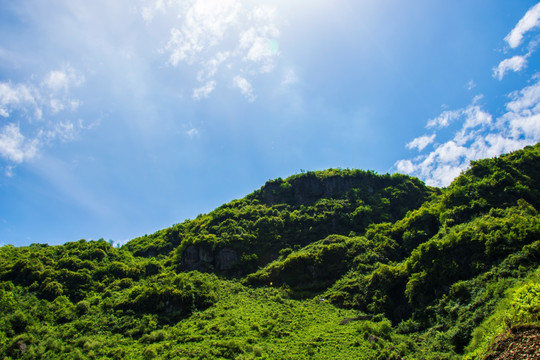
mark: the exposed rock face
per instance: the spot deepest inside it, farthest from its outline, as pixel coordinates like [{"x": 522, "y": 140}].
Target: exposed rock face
[
  {"x": 197, "y": 258},
  {"x": 225, "y": 259},
  {"x": 202, "y": 258},
  {"x": 308, "y": 189}
]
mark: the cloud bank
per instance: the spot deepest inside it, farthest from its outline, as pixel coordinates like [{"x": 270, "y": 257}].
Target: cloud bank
[
  {"x": 479, "y": 136},
  {"x": 482, "y": 134}
]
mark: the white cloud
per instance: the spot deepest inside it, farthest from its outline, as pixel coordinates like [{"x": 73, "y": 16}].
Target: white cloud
[
  {"x": 421, "y": 142},
  {"x": 61, "y": 130},
  {"x": 526, "y": 100},
  {"x": 212, "y": 66},
  {"x": 260, "y": 49},
  {"x": 14, "y": 146},
  {"x": 203, "y": 27},
  {"x": 57, "y": 80},
  {"x": 472, "y": 114},
  {"x": 204, "y": 91},
  {"x": 148, "y": 12},
  {"x": 52, "y": 94},
  {"x": 33, "y": 110},
  {"x": 405, "y": 166},
  {"x": 259, "y": 41},
  {"x": 529, "y": 125},
  {"x": 444, "y": 119},
  {"x": 56, "y": 105},
  {"x": 475, "y": 116},
  {"x": 206, "y": 34},
  {"x": 450, "y": 152},
  {"x": 523, "y": 116},
  {"x": 62, "y": 80},
  {"x": 439, "y": 167},
  {"x": 479, "y": 137},
  {"x": 528, "y": 22},
  {"x": 245, "y": 87},
  {"x": 444, "y": 174},
  {"x": 515, "y": 64},
  {"x": 14, "y": 97}
]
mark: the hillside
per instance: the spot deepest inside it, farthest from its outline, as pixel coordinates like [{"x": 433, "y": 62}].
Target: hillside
[{"x": 327, "y": 264}]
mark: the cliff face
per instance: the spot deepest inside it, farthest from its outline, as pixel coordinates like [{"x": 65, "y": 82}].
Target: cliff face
[
  {"x": 203, "y": 258},
  {"x": 306, "y": 189}
]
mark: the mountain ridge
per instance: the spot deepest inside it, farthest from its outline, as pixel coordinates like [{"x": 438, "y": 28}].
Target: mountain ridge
[{"x": 398, "y": 269}]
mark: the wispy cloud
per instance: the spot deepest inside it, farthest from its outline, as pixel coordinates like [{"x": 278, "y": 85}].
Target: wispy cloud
[
  {"x": 529, "y": 21},
  {"x": 523, "y": 112},
  {"x": 204, "y": 91},
  {"x": 515, "y": 64},
  {"x": 444, "y": 119},
  {"x": 62, "y": 80},
  {"x": 149, "y": 11},
  {"x": 524, "y": 99},
  {"x": 51, "y": 94},
  {"x": 211, "y": 67},
  {"x": 32, "y": 114},
  {"x": 421, "y": 142},
  {"x": 13, "y": 97},
  {"x": 245, "y": 87},
  {"x": 210, "y": 33},
  {"x": 472, "y": 113},
  {"x": 203, "y": 26},
  {"x": 259, "y": 41},
  {"x": 14, "y": 146}
]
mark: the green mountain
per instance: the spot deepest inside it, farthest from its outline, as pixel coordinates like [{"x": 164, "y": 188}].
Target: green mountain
[{"x": 335, "y": 264}]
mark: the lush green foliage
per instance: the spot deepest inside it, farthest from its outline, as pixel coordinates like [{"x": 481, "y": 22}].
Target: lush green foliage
[
  {"x": 327, "y": 264},
  {"x": 521, "y": 305},
  {"x": 283, "y": 214}
]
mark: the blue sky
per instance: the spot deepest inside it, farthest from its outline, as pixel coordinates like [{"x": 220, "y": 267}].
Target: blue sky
[{"x": 119, "y": 118}]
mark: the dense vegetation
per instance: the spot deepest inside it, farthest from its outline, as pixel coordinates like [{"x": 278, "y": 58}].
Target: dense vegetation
[{"x": 329, "y": 264}]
